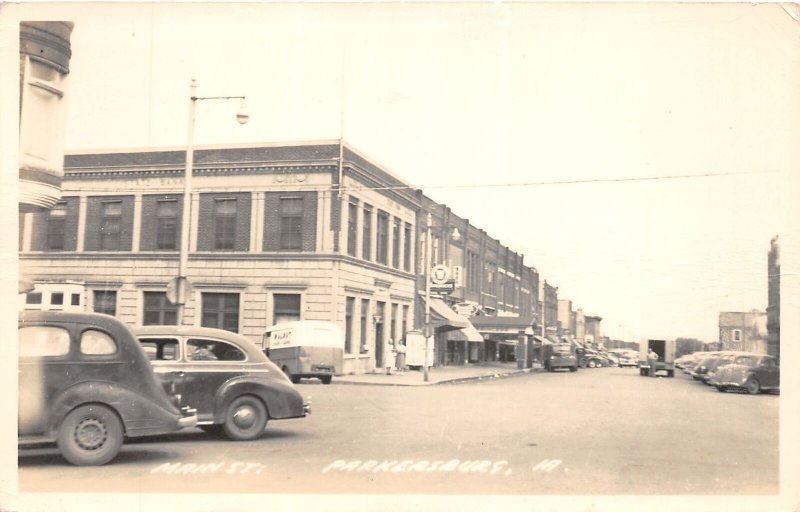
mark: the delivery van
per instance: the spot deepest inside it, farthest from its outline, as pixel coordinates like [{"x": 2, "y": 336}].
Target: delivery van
[
  {"x": 415, "y": 350},
  {"x": 305, "y": 349},
  {"x": 665, "y": 349}
]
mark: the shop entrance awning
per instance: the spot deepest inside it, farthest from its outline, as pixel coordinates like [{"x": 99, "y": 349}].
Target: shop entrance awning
[
  {"x": 445, "y": 319},
  {"x": 443, "y": 316},
  {"x": 469, "y": 333}
]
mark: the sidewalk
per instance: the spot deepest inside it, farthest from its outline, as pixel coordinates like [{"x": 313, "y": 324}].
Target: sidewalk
[{"x": 437, "y": 375}]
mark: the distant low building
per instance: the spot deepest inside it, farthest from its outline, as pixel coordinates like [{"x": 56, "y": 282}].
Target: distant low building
[
  {"x": 745, "y": 331},
  {"x": 593, "y": 332}
]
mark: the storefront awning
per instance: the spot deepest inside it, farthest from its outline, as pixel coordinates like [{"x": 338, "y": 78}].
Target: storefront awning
[
  {"x": 442, "y": 315},
  {"x": 543, "y": 341},
  {"x": 468, "y": 333}
]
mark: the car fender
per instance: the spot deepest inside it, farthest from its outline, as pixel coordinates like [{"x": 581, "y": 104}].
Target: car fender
[
  {"x": 138, "y": 414},
  {"x": 281, "y": 398}
]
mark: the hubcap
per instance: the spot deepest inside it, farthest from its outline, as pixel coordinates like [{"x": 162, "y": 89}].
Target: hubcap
[
  {"x": 244, "y": 417},
  {"x": 90, "y": 434}
]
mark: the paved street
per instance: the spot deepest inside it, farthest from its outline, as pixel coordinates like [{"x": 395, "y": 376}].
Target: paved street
[{"x": 599, "y": 431}]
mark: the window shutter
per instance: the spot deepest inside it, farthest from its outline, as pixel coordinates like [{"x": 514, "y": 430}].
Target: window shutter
[
  {"x": 310, "y": 221},
  {"x": 272, "y": 221},
  {"x": 205, "y": 223},
  {"x": 71, "y": 224},
  {"x": 92, "y": 236},
  {"x": 243, "y": 207},
  {"x": 126, "y": 227}
]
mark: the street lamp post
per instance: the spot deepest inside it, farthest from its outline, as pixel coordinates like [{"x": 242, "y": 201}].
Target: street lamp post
[
  {"x": 182, "y": 283},
  {"x": 428, "y": 330}
]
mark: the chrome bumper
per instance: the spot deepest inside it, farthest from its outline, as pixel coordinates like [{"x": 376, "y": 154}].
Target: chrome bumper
[{"x": 189, "y": 418}]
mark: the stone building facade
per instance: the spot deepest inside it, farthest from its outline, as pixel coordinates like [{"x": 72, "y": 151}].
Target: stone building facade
[{"x": 745, "y": 331}]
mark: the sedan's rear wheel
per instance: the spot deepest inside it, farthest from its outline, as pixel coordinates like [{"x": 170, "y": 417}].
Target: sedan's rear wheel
[
  {"x": 592, "y": 363},
  {"x": 90, "y": 435},
  {"x": 246, "y": 419},
  {"x": 752, "y": 386},
  {"x": 721, "y": 389}
]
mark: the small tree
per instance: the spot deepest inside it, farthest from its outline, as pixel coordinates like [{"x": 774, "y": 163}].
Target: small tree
[{"x": 685, "y": 346}]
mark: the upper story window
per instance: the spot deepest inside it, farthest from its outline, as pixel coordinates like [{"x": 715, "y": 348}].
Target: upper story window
[
  {"x": 407, "y": 247},
  {"x": 382, "y": 243},
  {"x": 110, "y": 225},
  {"x": 396, "y": 243},
  {"x": 291, "y": 213},
  {"x": 352, "y": 227},
  {"x": 167, "y": 224},
  {"x": 56, "y": 227},
  {"x": 366, "y": 234},
  {"x": 224, "y": 223}
]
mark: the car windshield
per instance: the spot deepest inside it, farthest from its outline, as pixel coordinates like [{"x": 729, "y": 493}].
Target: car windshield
[{"x": 562, "y": 349}]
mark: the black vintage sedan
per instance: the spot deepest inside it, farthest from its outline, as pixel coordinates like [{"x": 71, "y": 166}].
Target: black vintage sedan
[
  {"x": 85, "y": 383},
  {"x": 232, "y": 384},
  {"x": 751, "y": 372}
]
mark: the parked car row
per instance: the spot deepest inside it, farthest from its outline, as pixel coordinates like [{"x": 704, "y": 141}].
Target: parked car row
[
  {"x": 733, "y": 370},
  {"x": 87, "y": 382}
]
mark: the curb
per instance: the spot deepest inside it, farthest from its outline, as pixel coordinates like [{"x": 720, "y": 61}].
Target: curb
[{"x": 458, "y": 380}]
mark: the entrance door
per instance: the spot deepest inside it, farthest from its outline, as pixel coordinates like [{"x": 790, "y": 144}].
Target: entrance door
[{"x": 378, "y": 344}]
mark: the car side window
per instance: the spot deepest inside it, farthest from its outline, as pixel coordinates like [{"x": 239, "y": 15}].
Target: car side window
[
  {"x": 161, "y": 349},
  {"x": 213, "y": 350},
  {"x": 41, "y": 341},
  {"x": 97, "y": 343}
]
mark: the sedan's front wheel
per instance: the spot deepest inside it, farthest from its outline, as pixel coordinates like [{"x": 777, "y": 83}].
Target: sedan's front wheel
[
  {"x": 752, "y": 386},
  {"x": 90, "y": 435},
  {"x": 246, "y": 419}
]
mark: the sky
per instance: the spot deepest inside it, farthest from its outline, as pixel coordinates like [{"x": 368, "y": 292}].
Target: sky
[{"x": 484, "y": 106}]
